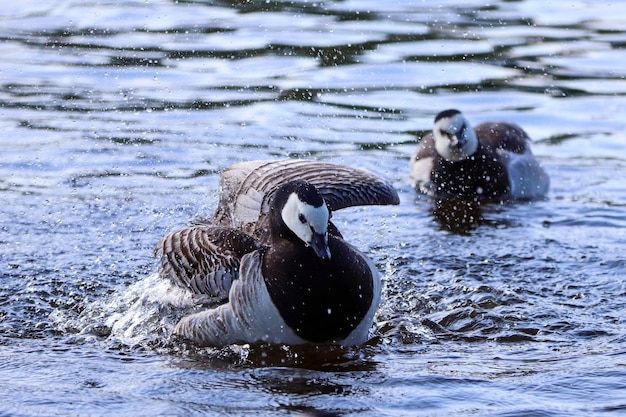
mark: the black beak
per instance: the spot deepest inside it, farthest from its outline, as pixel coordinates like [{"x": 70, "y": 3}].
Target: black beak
[
  {"x": 460, "y": 141},
  {"x": 319, "y": 243},
  {"x": 460, "y": 137}
]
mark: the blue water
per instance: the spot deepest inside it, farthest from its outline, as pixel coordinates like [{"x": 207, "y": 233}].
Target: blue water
[{"x": 116, "y": 118}]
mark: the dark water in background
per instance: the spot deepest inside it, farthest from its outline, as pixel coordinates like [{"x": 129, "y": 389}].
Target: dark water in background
[{"x": 116, "y": 117}]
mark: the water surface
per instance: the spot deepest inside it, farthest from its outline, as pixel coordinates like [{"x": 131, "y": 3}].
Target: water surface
[{"x": 117, "y": 117}]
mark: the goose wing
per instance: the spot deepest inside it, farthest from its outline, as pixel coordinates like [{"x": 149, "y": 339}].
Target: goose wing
[
  {"x": 245, "y": 188},
  {"x": 422, "y": 164},
  {"x": 248, "y": 316},
  {"x": 505, "y": 136},
  {"x": 203, "y": 259}
]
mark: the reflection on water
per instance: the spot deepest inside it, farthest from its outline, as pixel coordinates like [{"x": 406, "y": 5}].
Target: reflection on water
[
  {"x": 117, "y": 117},
  {"x": 458, "y": 215}
]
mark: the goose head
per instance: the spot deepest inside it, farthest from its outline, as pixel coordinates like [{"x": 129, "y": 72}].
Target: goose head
[
  {"x": 300, "y": 210},
  {"x": 454, "y": 138}
]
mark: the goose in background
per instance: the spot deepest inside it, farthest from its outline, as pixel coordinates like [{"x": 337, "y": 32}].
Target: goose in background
[{"x": 490, "y": 162}]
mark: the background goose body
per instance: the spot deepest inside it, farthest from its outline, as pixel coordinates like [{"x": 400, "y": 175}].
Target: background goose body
[
  {"x": 490, "y": 162},
  {"x": 266, "y": 267}
]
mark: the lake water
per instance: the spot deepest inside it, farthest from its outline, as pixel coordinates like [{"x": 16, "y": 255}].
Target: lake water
[{"x": 117, "y": 116}]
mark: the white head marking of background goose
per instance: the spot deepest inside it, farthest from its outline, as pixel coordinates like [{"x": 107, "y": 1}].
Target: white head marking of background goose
[{"x": 455, "y": 139}]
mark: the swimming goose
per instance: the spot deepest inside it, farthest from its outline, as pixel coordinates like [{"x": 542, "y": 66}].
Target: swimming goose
[
  {"x": 490, "y": 162},
  {"x": 269, "y": 265}
]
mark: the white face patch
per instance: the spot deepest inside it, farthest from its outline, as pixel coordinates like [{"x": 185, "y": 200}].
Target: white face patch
[
  {"x": 303, "y": 219},
  {"x": 455, "y": 139}
]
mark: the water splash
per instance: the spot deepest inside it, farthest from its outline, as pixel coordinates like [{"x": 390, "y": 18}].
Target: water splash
[{"x": 140, "y": 315}]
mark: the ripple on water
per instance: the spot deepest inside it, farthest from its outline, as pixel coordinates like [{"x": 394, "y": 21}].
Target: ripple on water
[{"x": 118, "y": 117}]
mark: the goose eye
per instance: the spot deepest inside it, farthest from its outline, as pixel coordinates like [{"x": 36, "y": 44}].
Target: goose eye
[{"x": 301, "y": 218}]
